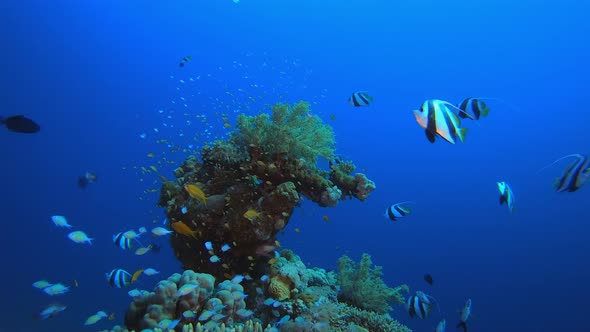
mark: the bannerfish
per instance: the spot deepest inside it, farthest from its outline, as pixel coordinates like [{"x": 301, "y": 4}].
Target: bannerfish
[
  {"x": 420, "y": 305},
  {"x": 428, "y": 279},
  {"x": 506, "y": 195},
  {"x": 575, "y": 175},
  {"x": 20, "y": 124},
  {"x": 118, "y": 278},
  {"x": 437, "y": 118},
  {"x": 441, "y": 327},
  {"x": 86, "y": 179},
  {"x": 473, "y": 108},
  {"x": 360, "y": 99},
  {"x": 397, "y": 210},
  {"x": 122, "y": 242},
  {"x": 465, "y": 315},
  {"x": 80, "y": 237},
  {"x": 184, "y": 61}
]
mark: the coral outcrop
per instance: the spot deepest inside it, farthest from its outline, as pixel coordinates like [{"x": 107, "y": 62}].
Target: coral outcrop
[{"x": 248, "y": 187}]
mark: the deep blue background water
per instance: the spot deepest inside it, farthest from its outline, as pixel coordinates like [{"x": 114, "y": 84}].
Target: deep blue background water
[{"x": 95, "y": 74}]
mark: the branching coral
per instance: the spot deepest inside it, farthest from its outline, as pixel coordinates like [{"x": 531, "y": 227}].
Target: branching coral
[
  {"x": 290, "y": 130},
  {"x": 362, "y": 286}
]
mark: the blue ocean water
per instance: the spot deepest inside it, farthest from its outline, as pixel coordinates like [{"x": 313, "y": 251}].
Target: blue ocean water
[{"x": 96, "y": 75}]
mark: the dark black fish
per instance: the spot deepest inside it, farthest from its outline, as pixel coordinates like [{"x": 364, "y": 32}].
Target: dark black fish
[
  {"x": 428, "y": 279},
  {"x": 86, "y": 179},
  {"x": 155, "y": 248},
  {"x": 20, "y": 124}
]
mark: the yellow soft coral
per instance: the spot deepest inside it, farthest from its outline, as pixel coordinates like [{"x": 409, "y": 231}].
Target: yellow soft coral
[{"x": 279, "y": 288}]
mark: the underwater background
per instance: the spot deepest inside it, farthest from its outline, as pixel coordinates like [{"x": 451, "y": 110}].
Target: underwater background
[{"x": 96, "y": 74}]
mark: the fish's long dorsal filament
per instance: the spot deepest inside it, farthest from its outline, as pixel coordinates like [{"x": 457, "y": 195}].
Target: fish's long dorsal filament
[{"x": 577, "y": 155}]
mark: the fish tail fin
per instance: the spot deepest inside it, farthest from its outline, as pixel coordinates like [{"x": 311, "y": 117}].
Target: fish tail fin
[
  {"x": 461, "y": 133},
  {"x": 89, "y": 240},
  {"x": 195, "y": 234},
  {"x": 577, "y": 155},
  {"x": 462, "y": 325},
  {"x": 485, "y": 112}
]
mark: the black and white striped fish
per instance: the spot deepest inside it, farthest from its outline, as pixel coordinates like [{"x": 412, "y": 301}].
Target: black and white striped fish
[
  {"x": 420, "y": 305},
  {"x": 118, "y": 278},
  {"x": 575, "y": 175},
  {"x": 397, "y": 210},
  {"x": 360, "y": 99},
  {"x": 121, "y": 241},
  {"x": 506, "y": 195},
  {"x": 437, "y": 117},
  {"x": 473, "y": 108}
]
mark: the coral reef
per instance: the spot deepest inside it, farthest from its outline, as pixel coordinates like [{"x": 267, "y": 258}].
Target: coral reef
[
  {"x": 362, "y": 287},
  {"x": 311, "y": 304},
  {"x": 245, "y": 189}
]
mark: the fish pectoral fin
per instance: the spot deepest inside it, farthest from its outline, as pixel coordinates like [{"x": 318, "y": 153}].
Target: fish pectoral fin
[
  {"x": 430, "y": 135},
  {"x": 461, "y": 132}
]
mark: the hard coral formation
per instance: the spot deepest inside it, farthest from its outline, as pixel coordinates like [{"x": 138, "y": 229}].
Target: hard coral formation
[
  {"x": 311, "y": 304},
  {"x": 167, "y": 303},
  {"x": 252, "y": 182},
  {"x": 362, "y": 286}
]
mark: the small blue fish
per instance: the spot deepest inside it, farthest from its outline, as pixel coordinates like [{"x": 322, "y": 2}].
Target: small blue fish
[{"x": 225, "y": 247}]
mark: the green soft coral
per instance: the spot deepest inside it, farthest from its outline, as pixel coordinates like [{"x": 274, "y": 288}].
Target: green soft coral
[
  {"x": 362, "y": 286},
  {"x": 289, "y": 130}
]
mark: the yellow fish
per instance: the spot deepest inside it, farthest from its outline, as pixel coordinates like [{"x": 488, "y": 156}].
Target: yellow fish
[
  {"x": 227, "y": 125},
  {"x": 154, "y": 168},
  {"x": 181, "y": 228},
  {"x": 150, "y": 155},
  {"x": 252, "y": 214},
  {"x": 196, "y": 192},
  {"x": 136, "y": 275}
]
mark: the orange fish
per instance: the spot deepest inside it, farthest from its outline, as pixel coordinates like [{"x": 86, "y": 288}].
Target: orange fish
[
  {"x": 182, "y": 228},
  {"x": 196, "y": 192},
  {"x": 136, "y": 275}
]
